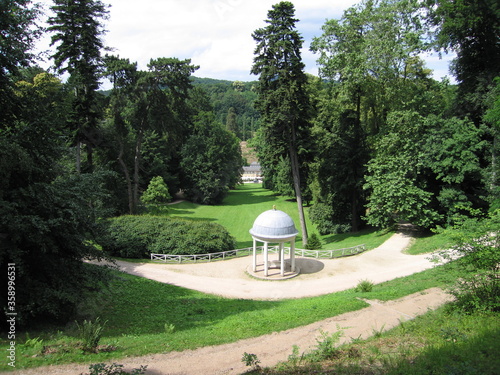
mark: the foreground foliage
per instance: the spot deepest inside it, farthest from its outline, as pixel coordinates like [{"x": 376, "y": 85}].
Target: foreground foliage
[
  {"x": 477, "y": 241},
  {"x": 113, "y": 369},
  {"x": 445, "y": 341}
]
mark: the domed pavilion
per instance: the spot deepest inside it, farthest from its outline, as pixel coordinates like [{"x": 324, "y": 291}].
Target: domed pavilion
[{"x": 275, "y": 226}]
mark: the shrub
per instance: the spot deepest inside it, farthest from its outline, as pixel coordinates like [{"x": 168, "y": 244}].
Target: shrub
[
  {"x": 364, "y": 286},
  {"x": 250, "y": 360},
  {"x": 138, "y": 236},
  {"x": 477, "y": 242},
  {"x": 314, "y": 243},
  {"x": 326, "y": 347},
  {"x": 157, "y": 192},
  {"x": 113, "y": 369},
  {"x": 91, "y": 333}
]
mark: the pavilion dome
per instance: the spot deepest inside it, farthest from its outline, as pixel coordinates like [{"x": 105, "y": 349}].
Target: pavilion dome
[{"x": 273, "y": 225}]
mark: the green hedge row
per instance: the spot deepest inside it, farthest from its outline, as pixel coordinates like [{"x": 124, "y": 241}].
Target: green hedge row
[{"x": 139, "y": 236}]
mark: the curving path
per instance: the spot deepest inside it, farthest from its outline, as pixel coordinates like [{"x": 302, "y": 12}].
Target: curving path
[
  {"x": 274, "y": 347},
  {"x": 229, "y": 278}
]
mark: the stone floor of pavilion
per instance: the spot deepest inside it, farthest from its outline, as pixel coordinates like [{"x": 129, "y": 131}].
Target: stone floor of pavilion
[{"x": 274, "y": 271}]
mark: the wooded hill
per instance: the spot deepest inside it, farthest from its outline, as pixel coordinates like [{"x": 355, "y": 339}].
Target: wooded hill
[{"x": 233, "y": 104}]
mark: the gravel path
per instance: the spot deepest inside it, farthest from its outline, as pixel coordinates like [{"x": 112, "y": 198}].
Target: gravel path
[
  {"x": 228, "y": 278},
  {"x": 318, "y": 277}
]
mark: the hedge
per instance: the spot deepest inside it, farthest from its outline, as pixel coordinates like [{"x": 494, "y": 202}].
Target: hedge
[{"x": 139, "y": 236}]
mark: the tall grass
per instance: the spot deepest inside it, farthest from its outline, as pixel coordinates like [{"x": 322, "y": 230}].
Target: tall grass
[{"x": 444, "y": 341}]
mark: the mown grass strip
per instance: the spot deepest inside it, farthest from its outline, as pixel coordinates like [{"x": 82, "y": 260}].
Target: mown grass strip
[{"x": 242, "y": 206}]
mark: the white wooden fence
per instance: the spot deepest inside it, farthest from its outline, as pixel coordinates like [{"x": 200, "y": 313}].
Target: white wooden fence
[{"x": 318, "y": 254}]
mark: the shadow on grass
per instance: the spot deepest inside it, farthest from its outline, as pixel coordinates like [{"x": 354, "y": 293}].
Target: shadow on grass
[
  {"x": 342, "y": 236},
  {"x": 250, "y": 193},
  {"x": 140, "y": 306}
]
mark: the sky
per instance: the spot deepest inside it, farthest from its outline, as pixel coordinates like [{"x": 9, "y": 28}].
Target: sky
[{"x": 214, "y": 34}]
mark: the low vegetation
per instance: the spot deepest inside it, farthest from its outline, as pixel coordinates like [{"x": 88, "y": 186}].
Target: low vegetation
[
  {"x": 139, "y": 236},
  {"x": 445, "y": 341},
  {"x": 144, "y": 316}
]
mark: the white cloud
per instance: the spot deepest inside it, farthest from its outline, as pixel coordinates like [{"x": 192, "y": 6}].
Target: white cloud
[{"x": 215, "y": 34}]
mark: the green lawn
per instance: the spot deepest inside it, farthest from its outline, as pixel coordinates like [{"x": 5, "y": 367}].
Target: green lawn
[
  {"x": 429, "y": 242},
  {"x": 242, "y": 206},
  {"x": 144, "y": 316}
]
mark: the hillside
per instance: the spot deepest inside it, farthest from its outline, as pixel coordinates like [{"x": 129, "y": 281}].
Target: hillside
[
  {"x": 233, "y": 104},
  {"x": 248, "y": 153}
]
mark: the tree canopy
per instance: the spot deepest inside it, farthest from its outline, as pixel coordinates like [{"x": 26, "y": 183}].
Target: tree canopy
[{"x": 374, "y": 140}]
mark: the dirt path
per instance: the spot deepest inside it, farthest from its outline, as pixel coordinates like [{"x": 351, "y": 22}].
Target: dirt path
[
  {"x": 277, "y": 346},
  {"x": 229, "y": 279},
  {"x": 318, "y": 276}
]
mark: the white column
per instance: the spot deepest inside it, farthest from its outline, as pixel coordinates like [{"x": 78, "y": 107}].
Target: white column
[
  {"x": 282, "y": 258},
  {"x": 254, "y": 255},
  {"x": 266, "y": 261},
  {"x": 292, "y": 254}
]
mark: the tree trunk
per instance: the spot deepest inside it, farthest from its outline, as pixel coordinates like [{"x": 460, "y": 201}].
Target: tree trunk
[
  {"x": 294, "y": 160},
  {"x": 90, "y": 158},
  {"x": 78, "y": 156},
  {"x": 137, "y": 164},
  {"x": 354, "y": 211},
  {"x": 131, "y": 206}
]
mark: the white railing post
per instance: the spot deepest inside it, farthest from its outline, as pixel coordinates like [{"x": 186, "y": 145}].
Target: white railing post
[{"x": 250, "y": 250}]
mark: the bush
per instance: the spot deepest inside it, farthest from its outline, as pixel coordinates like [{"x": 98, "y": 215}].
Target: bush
[
  {"x": 314, "y": 242},
  {"x": 477, "y": 242},
  {"x": 139, "y": 236},
  {"x": 113, "y": 369},
  {"x": 91, "y": 333},
  {"x": 364, "y": 286},
  {"x": 157, "y": 192}
]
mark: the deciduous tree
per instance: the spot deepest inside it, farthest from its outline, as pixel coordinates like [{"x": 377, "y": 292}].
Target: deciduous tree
[
  {"x": 211, "y": 161},
  {"x": 470, "y": 28}
]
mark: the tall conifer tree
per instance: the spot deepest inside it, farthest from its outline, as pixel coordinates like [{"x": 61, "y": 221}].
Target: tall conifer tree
[
  {"x": 283, "y": 100},
  {"x": 77, "y": 27}
]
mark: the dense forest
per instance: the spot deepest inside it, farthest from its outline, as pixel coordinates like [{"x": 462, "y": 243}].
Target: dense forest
[{"x": 374, "y": 140}]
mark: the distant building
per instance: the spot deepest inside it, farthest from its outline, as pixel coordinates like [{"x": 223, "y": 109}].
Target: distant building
[{"x": 252, "y": 173}]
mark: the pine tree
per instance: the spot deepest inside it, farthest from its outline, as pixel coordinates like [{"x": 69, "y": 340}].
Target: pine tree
[
  {"x": 283, "y": 101},
  {"x": 77, "y": 31}
]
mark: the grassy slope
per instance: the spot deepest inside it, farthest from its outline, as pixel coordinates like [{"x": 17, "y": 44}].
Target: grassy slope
[
  {"x": 139, "y": 310},
  {"x": 439, "y": 342}
]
